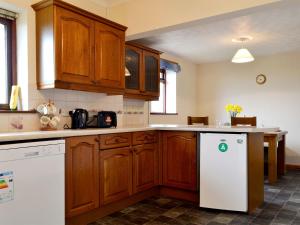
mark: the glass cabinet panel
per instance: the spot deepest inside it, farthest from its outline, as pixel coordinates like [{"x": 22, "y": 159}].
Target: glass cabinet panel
[
  {"x": 151, "y": 65},
  {"x": 132, "y": 62}
]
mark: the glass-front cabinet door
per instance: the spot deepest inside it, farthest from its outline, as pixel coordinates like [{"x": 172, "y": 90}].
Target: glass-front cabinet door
[
  {"x": 133, "y": 57},
  {"x": 151, "y": 68}
]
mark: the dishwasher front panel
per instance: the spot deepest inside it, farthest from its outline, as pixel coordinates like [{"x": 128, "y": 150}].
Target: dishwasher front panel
[
  {"x": 33, "y": 184},
  {"x": 223, "y": 171}
]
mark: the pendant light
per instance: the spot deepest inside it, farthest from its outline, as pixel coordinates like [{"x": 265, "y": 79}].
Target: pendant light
[
  {"x": 242, "y": 55},
  {"x": 127, "y": 73}
]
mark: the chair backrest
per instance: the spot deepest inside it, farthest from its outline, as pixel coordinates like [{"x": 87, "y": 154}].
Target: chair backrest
[
  {"x": 192, "y": 120},
  {"x": 243, "y": 121}
]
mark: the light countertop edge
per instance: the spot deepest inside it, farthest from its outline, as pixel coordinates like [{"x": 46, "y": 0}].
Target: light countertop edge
[{"x": 33, "y": 135}]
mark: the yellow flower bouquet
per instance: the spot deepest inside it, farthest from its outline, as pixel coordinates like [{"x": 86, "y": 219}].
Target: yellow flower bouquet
[{"x": 234, "y": 110}]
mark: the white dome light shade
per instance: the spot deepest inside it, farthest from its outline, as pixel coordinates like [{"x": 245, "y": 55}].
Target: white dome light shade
[
  {"x": 242, "y": 56},
  {"x": 127, "y": 73}
]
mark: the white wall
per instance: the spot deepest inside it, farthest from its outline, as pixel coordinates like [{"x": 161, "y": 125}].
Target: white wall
[
  {"x": 186, "y": 93},
  {"x": 275, "y": 103}
]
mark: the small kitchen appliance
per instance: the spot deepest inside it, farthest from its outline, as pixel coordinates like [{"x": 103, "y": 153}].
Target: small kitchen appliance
[
  {"x": 107, "y": 119},
  {"x": 79, "y": 118}
]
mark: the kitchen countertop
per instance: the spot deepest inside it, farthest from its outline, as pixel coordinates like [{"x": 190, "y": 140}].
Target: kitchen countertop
[{"x": 31, "y": 135}]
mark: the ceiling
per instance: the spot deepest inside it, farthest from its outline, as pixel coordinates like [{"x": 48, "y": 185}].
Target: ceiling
[
  {"x": 109, "y": 3},
  {"x": 275, "y": 29}
]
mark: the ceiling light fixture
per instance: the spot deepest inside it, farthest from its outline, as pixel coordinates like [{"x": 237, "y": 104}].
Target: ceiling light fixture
[
  {"x": 242, "y": 55},
  {"x": 127, "y": 73}
]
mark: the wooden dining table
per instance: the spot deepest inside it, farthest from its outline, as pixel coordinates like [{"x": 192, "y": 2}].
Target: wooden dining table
[{"x": 276, "y": 154}]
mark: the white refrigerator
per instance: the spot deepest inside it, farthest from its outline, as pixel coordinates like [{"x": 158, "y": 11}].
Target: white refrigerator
[{"x": 223, "y": 171}]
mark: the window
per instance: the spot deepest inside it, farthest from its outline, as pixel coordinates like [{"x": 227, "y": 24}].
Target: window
[
  {"x": 7, "y": 58},
  {"x": 167, "y": 98}
]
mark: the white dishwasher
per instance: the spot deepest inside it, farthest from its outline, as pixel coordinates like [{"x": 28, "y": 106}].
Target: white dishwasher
[
  {"x": 223, "y": 171},
  {"x": 32, "y": 183}
]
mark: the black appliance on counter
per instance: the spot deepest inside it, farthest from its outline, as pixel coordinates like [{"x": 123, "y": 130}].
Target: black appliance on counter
[
  {"x": 103, "y": 119},
  {"x": 107, "y": 119},
  {"x": 79, "y": 118}
]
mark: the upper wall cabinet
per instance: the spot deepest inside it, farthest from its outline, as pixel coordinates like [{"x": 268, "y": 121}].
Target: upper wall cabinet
[
  {"x": 78, "y": 50},
  {"x": 143, "y": 64}
]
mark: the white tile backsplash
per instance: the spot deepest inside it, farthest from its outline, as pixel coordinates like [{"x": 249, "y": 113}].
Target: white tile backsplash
[{"x": 129, "y": 112}]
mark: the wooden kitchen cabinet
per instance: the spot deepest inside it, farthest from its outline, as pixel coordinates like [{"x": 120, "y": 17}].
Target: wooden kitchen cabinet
[
  {"x": 78, "y": 50},
  {"x": 109, "y": 56},
  {"x": 115, "y": 175},
  {"x": 82, "y": 174},
  {"x": 152, "y": 74},
  {"x": 133, "y": 62},
  {"x": 145, "y": 167},
  {"x": 143, "y": 64},
  {"x": 74, "y": 47},
  {"x": 180, "y": 160}
]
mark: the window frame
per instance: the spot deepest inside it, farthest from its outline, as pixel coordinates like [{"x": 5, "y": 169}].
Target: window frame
[
  {"x": 11, "y": 57},
  {"x": 164, "y": 81}
]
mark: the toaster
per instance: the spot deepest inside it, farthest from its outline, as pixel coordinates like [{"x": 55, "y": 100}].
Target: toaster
[{"x": 107, "y": 119}]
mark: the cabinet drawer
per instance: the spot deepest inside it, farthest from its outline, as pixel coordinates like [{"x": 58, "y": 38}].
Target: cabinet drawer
[
  {"x": 108, "y": 141},
  {"x": 144, "y": 137}
]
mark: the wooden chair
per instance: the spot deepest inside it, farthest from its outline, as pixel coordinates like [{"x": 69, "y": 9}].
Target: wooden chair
[
  {"x": 243, "y": 121},
  {"x": 192, "y": 120}
]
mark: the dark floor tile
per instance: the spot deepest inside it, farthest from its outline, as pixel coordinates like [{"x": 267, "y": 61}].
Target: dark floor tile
[
  {"x": 215, "y": 223},
  {"x": 162, "y": 219},
  {"x": 281, "y": 207},
  {"x": 175, "y": 212},
  {"x": 259, "y": 221},
  {"x": 224, "y": 218},
  {"x": 241, "y": 220},
  {"x": 186, "y": 219}
]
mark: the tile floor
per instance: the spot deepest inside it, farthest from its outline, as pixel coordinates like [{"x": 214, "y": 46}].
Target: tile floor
[{"x": 281, "y": 206}]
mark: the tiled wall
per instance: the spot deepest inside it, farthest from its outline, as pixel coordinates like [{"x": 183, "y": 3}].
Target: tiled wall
[
  {"x": 129, "y": 112},
  {"x": 135, "y": 113}
]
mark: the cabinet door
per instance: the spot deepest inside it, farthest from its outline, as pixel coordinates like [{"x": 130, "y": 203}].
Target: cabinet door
[
  {"x": 109, "y": 56},
  {"x": 82, "y": 177},
  {"x": 74, "y": 47},
  {"x": 133, "y": 62},
  {"x": 151, "y": 65},
  {"x": 145, "y": 167},
  {"x": 179, "y": 160},
  {"x": 115, "y": 175}
]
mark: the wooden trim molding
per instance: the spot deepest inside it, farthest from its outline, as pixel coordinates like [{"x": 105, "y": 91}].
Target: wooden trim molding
[
  {"x": 292, "y": 167},
  {"x": 45, "y": 3},
  {"x": 138, "y": 45}
]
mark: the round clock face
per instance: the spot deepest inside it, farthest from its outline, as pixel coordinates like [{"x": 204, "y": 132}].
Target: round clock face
[{"x": 261, "y": 79}]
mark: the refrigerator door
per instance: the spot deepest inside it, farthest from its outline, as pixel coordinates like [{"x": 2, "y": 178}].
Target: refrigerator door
[{"x": 223, "y": 171}]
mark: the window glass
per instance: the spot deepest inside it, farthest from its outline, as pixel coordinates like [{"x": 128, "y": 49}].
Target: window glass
[
  {"x": 167, "y": 98},
  {"x": 171, "y": 92},
  {"x": 3, "y": 66},
  {"x": 158, "y": 106}
]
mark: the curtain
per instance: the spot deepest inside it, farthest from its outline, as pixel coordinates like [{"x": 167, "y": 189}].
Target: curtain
[{"x": 169, "y": 65}]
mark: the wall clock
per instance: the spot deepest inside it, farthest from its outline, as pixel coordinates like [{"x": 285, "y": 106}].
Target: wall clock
[{"x": 261, "y": 79}]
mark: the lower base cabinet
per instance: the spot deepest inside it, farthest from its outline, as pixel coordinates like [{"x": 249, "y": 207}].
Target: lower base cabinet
[
  {"x": 145, "y": 167},
  {"x": 115, "y": 175},
  {"x": 82, "y": 175},
  {"x": 180, "y": 160},
  {"x": 103, "y": 170}
]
